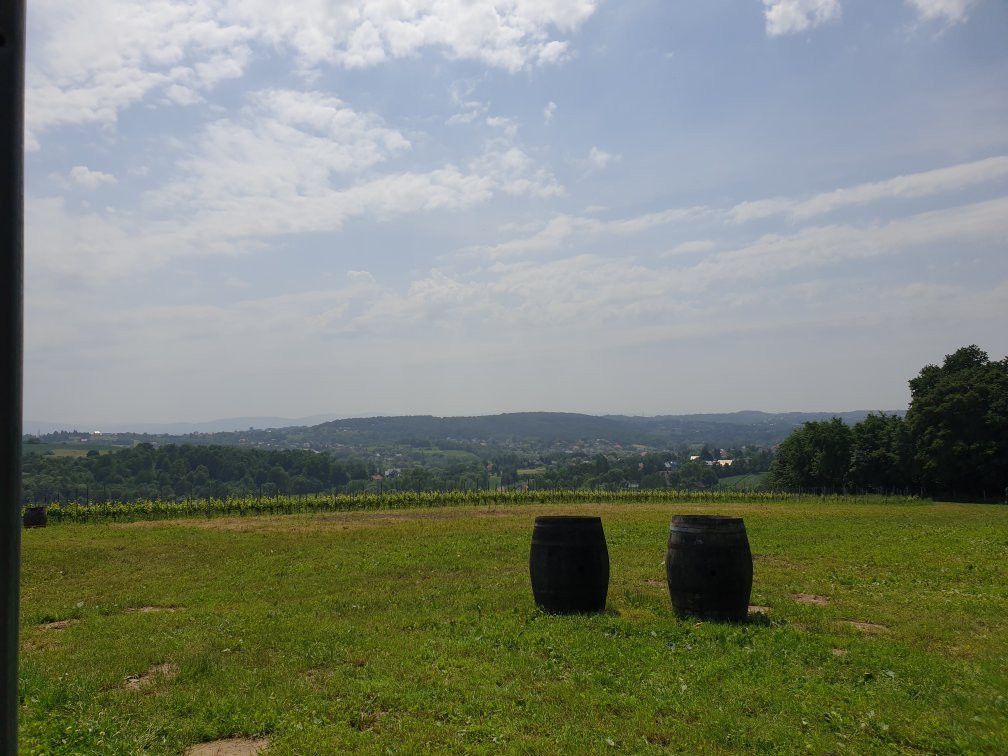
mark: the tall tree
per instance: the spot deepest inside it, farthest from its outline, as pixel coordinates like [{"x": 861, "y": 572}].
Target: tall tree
[
  {"x": 958, "y": 421},
  {"x": 815, "y": 455},
  {"x": 881, "y": 454}
]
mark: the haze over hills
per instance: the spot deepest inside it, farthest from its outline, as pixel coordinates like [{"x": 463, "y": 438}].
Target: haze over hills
[
  {"x": 321, "y": 432},
  {"x": 180, "y": 428}
]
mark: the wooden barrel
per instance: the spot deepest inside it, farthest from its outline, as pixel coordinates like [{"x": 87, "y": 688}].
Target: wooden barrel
[
  {"x": 569, "y": 564},
  {"x": 709, "y": 567},
  {"x": 35, "y": 517}
]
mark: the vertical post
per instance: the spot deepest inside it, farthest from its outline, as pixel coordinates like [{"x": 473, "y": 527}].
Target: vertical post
[{"x": 12, "y": 38}]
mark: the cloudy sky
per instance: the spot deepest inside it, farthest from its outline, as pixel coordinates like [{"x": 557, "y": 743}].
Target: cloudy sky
[{"x": 250, "y": 207}]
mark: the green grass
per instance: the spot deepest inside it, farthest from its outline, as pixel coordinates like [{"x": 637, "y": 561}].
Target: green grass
[
  {"x": 68, "y": 448},
  {"x": 742, "y": 482},
  {"x": 442, "y": 456},
  {"x": 59, "y": 450},
  {"x": 415, "y": 631}
]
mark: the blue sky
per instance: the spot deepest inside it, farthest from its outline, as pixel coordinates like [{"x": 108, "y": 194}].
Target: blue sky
[{"x": 468, "y": 207}]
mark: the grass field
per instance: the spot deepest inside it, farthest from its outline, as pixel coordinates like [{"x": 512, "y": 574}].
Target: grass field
[
  {"x": 742, "y": 482},
  {"x": 885, "y": 629},
  {"x": 67, "y": 449}
]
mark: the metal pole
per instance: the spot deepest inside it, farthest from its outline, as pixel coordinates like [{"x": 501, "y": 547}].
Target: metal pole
[{"x": 12, "y": 48}]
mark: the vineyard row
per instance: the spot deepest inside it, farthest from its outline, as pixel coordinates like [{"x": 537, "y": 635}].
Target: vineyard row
[{"x": 76, "y": 512}]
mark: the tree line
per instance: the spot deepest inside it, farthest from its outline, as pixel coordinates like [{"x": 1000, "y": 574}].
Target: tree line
[
  {"x": 185, "y": 471},
  {"x": 952, "y": 443},
  {"x": 175, "y": 472}
]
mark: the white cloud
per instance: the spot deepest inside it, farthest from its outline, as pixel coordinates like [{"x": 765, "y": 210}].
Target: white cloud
[
  {"x": 600, "y": 158},
  {"x": 89, "y": 61},
  {"x": 793, "y": 16},
  {"x": 77, "y": 74},
  {"x": 563, "y": 229},
  {"x": 360, "y": 276},
  {"x": 574, "y": 293},
  {"x": 573, "y": 288},
  {"x": 690, "y": 248},
  {"x": 471, "y": 111},
  {"x": 818, "y": 245},
  {"x": 950, "y": 11},
  {"x": 508, "y": 34},
  {"x": 514, "y": 172},
  {"x": 508, "y": 125},
  {"x": 569, "y": 296},
  {"x": 285, "y": 146},
  {"x": 288, "y": 163},
  {"x": 950, "y": 179},
  {"x": 549, "y": 111},
  {"x": 84, "y": 176}
]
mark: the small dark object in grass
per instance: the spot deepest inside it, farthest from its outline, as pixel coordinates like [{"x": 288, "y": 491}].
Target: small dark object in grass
[
  {"x": 569, "y": 565},
  {"x": 708, "y": 566},
  {"x": 35, "y": 517}
]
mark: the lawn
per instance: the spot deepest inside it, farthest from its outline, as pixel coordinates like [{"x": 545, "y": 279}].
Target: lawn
[
  {"x": 882, "y": 627},
  {"x": 67, "y": 449},
  {"x": 742, "y": 482}
]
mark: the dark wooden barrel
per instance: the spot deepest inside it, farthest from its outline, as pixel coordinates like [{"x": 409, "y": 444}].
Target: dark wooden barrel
[
  {"x": 569, "y": 564},
  {"x": 709, "y": 567},
  {"x": 35, "y": 517}
]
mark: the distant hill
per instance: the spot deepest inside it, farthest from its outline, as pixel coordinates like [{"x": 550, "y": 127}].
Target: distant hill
[
  {"x": 534, "y": 428},
  {"x": 547, "y": 427},
  {"x": 209, "y": 426}
]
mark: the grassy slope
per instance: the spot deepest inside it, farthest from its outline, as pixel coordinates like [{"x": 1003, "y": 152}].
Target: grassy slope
[
  {"x": 742, "y": 482},
  {"x": 417, "y": 631}
]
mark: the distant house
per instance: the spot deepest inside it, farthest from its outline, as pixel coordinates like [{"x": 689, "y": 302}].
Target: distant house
[
  {"x": 694, "y": 457},
  {"x": 726, "y": 462}
]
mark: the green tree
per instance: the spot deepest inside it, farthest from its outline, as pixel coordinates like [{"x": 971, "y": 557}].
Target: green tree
[
  {"x": 279, "y": 478},
  {"x": 958, "y": 423},
  {"x": 697, "y": 474},
  {"x": 816, "y": 455},
  {"x": 881, "y": 453}
]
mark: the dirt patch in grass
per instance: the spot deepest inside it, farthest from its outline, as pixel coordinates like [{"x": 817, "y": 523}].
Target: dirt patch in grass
[
  {"x": 765, "y": 610},
  {"x": 867, "y": 627},
  {"x": 365, "y": 721},
  {"x": 657, "y": 583},
  {"x": 810, "y": 598},
  {"x": 658, "y": 739},
  {"x": 153, "y": 609},
  {"x": 59, "y": 624},
  {"x": 839, "y": 652},
  {"x": 229, "y": 747},
  {"x": 138, "y": 682},
  {"x": 316, "y": 675}
]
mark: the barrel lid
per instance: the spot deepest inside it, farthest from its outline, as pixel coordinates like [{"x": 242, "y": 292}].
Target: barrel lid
[
  {"x": 706, "y": 524},
  {"x": 567, "y": 520}
]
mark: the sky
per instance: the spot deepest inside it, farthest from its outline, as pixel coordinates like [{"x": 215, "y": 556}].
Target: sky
[{"x": 461, "y": 207}]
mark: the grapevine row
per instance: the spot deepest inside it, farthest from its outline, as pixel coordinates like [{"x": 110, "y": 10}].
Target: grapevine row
[{"x": 153, "y": 509}]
